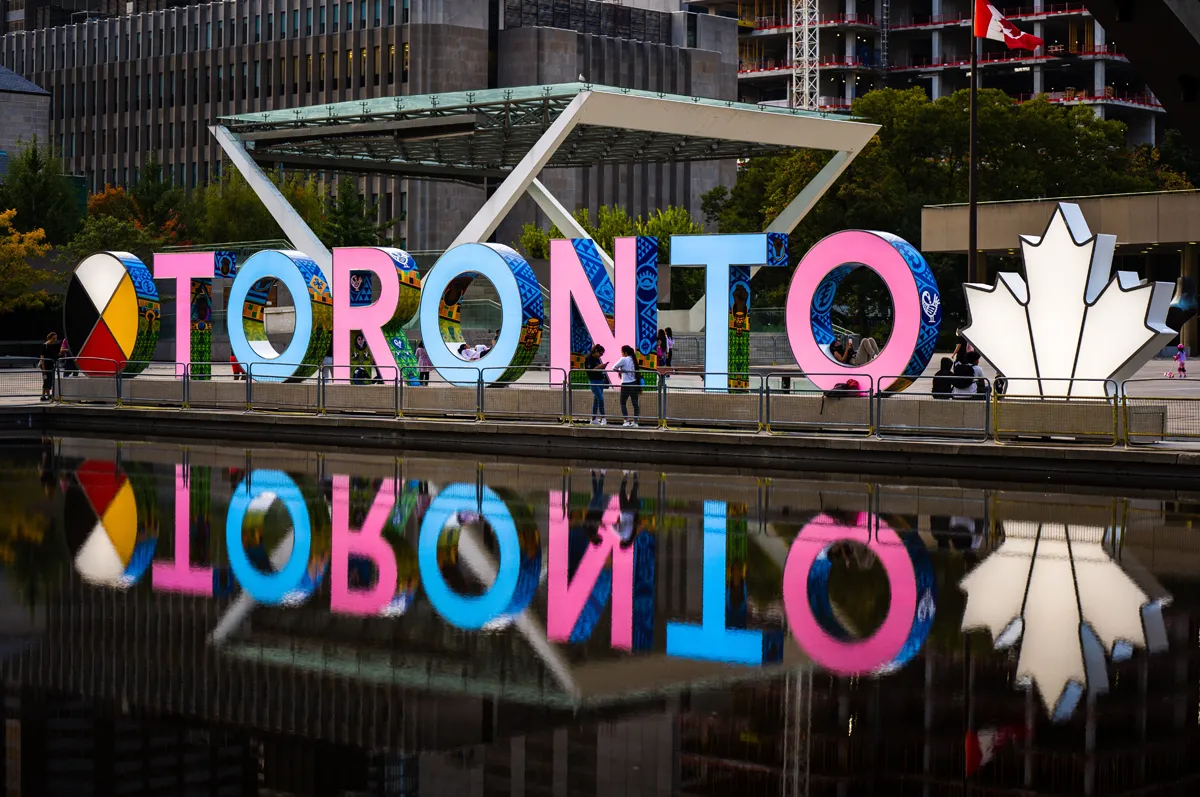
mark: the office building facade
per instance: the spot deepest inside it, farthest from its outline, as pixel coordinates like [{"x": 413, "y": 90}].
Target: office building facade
[{"x": 132, "y": 85}]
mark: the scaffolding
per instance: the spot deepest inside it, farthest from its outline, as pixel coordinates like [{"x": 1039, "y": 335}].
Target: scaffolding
[{"x": 806, "y": 86}]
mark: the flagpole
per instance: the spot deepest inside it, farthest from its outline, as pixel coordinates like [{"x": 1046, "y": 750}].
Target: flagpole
[{"x": 972, "y": 156}]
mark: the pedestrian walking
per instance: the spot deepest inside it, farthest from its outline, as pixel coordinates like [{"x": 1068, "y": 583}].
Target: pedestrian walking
[
  {"x": 630, "y": 389},
  {"x": 1181, "y": 358},
  {"x": 238, "y": 373},
  {"x": 47, "y": 362},
  {"x": 670, "y": 346},
  {"x": 597, "y": 379},
  {"x": 424, "y": 364}
]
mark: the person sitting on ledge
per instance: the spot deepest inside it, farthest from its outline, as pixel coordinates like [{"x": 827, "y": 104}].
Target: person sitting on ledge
[
  {"x": 943, "y": 380},
  {"x": 472, "y": 354}
]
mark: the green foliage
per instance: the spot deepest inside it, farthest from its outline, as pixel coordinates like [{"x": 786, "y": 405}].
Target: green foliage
[
  {"x": 227, "y": 209},
  {"x": 102, "y": 233},
  {"x": 614, "y": 222},
  {"x": 350, "y": 221},
  {"x": 1036, "y": 149},
  {"x": 40, "y": 193},
  {"x": 157, "y": 200},
  {"x": 18, "y": 278}
]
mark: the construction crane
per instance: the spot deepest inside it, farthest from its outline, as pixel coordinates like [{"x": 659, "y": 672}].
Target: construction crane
[{"x": 806, "y": 84}]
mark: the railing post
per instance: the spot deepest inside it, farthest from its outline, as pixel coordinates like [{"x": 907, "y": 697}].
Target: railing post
[
  {"x": 117, "y": 368},
  {"x": 566, "y": 384},
  {"x": 479, "y": 410},
  {"x": 186, "y": 376},
  {"x": 321, "y": 390},
  {"x": 249, "y": 389},
  {"x": 398, "y": 394}
]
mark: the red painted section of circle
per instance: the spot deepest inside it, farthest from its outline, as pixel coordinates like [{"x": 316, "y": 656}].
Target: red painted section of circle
[
  {"x": 101, "y": 481},
  {"x": 101, "y": 355}
]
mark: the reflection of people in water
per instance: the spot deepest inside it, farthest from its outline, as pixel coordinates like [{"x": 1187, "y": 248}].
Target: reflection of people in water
[
  {"x": 596, "y": 507},
  {"x": 47, "y": 465}
]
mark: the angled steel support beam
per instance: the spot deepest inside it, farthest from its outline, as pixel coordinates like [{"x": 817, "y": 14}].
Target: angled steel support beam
[
  {"x": 791, "y": 216},
  {"x": 299, "y": 233},
  {"x": 500, "y": 203},
  {"x": 560, "y": 217}
]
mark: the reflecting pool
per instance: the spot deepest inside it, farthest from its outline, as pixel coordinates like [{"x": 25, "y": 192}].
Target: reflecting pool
[{"x": 206, "y": 619}]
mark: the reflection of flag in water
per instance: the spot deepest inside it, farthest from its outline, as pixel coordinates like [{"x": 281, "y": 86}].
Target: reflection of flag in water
[{"x": 983, "y": 744}]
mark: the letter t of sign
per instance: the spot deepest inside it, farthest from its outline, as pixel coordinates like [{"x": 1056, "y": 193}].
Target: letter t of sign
[
  {"x": 713, "y": 639},
  {"x": 727, "y": 260}
]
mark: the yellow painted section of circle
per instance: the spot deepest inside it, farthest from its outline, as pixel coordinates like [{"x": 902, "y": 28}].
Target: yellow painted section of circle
[
  {"x": 121, "y": 315},
  {"x": 120, "y": 522}
]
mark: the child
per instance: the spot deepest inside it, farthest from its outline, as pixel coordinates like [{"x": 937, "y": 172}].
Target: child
[{"x": 1181, "y": 358}]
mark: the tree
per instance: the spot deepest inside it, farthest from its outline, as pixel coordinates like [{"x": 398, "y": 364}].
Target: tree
[
  {"x": 41, "y": 194},
  {"x": 350, "y": 220},
  {"x": 112, "y": 234},
  {"x": 920, "y": 157},
  {"x": 18, "y": 279}
]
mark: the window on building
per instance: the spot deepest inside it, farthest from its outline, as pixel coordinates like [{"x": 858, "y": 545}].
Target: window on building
[
  {"x": 282, "y": 25},
  {"x": 375, "y": 18},
  {"x": 270, "y": 27},
  {"x": 245, "y": 29},
  {"x": 349, "y": 67},
  {"x": 321, "y": 20},
  {"x": 391, "y": 64},
  {"x": 295, "y": 23},
  {"x": 207, "y": 35},
  {"x": 308, "y": 68},
  {"x": 321, "y": 74},
  {"x": 257, "y": 70},
  {"x": 308, "y": 21},
  {"x": 220, "y": 32},
  {"x": 220, "y": 84},
  {"x": 375, "y": 68},
  {"x": 257, "y": 28},
  {"x": 295, "y": 74},
  {"x": 349, "y": 16},
  {"x": 391, "y": 12},
  {"x": 362, "y": 68},
  {"x": 243, "y": 81}
]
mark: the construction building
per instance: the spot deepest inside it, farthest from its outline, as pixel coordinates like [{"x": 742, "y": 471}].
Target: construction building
[{"x": 860, "y": 45}]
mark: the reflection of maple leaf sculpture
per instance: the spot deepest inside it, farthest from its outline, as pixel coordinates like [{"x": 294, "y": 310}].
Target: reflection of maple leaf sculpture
[
  {"x": 1054, "y": 588},
  {"x": 1067, "y": 319}
]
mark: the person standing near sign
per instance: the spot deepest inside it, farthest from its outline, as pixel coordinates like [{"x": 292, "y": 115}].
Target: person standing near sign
[
  {"x": 48, "y": 361},
  {"x": 594, "y": 366},
  {"x": 630, "y": 390}
]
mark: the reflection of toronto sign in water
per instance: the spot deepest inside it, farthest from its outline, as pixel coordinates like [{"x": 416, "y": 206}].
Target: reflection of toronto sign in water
[
  {"x": 1049, "y": 590},
  {"x": 1065, "y": 320}
]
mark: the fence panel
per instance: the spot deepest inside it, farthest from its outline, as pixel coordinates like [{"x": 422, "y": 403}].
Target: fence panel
[
  {"x": 21, "y": 383},
  {"x": 79, "y": 388},
  {"x": 1034, "y": 418},
  {"x": 379, "y": 395},
  {"x": 449, "y": 393},
  {"x": 223, "y": 389},
  {"x": 917, "y": 412},
  {"x": 641, "y": 403},
  {"x": 156, "y": 385},
  {"x": 792, "y": 403},
  {"x": 687, "y": 402},
  {"x": 539, "y": 395},
  {"x": 302, "y": 396},
  {"x": 1160, "y": 410}
]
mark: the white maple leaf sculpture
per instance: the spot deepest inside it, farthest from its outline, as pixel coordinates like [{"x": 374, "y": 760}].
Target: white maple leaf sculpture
[
  {"x": 1054, "y": 588},
  {"x": 1069, "y": 319}
]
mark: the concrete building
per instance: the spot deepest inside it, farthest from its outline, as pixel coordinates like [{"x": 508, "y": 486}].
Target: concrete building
[
  {"x": 25, "y": 109},
  {"x": 128, "y": 86},
  {"x": 868, "y": 43}
]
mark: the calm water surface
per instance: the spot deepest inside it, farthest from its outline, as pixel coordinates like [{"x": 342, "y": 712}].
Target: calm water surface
[{"x": 213, "y": 620}]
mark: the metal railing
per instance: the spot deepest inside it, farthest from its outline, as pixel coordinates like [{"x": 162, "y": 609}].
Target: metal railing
[
  {"x": 21, "y": 383},
  {"x": 1028, "y": 417},
  {"x": 698, "y": 406},
  {"x": 792, "y": 403},
  {"x": 924, "y": 413},
  {"x": 1156, "y": 410},
  {"x": 1140, "y": 412}
]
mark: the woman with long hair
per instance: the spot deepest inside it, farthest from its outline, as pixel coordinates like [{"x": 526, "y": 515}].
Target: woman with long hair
[{"x": 630, "y": 390}]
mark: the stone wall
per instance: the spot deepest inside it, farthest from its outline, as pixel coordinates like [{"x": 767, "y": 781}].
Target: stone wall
[{"x": 24, "y": 116}]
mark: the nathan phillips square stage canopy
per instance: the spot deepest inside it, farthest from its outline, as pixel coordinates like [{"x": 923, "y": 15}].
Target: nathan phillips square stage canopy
[{"x": 506, "y": 137}]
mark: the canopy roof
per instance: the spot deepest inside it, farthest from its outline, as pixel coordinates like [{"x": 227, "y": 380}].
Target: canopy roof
[{"x": 483, "y": 135}]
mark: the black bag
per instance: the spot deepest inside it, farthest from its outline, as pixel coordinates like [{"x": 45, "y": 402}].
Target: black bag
[{"x": 963, "y": 376}]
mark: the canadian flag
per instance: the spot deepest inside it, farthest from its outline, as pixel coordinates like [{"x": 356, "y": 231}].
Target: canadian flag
[
  {"x": 991, "y": 24},
  {"x": 983, "y": 744}
]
